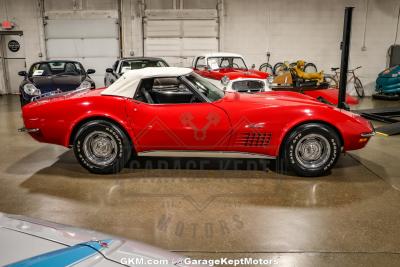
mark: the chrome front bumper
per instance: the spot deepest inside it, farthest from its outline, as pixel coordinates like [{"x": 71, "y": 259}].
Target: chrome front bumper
[{"x": 28, "y": 130}]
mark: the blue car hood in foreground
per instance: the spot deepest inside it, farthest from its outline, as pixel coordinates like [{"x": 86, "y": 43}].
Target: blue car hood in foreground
[
  {"x": 65, "y": 256},
  {"x": 31, "y": 242}
]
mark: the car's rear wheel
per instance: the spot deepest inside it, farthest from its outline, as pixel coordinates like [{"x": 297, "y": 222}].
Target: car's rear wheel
[
  {"x": 311, "y": 149},
  {"x": 102, "y": 147}
]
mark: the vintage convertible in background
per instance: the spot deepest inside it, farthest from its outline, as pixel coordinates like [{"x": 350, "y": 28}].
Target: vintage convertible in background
[
  {"x": 230, "y": 72},
  {"x": 36, "y": 243},
  {"x": 174, "y": 111},
  {"x": 46, "y": 77},
  {"x": 131, "y": 63}
]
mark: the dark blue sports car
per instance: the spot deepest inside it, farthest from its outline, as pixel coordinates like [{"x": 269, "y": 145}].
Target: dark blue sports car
[{"x": 45, "y": 77}]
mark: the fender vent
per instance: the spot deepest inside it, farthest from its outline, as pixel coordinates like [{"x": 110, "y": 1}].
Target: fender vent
[{"x": 253, "y": 139}]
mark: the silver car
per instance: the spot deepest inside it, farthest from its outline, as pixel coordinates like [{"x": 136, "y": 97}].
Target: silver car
[{"x": 131, "y": 63}]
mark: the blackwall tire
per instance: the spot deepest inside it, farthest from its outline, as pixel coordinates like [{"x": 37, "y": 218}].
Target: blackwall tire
[
  {"x": 359, "y": 87},
  {"x": 311, "y": 149},
  {"x": 331, "y": 80},
  {"x": 102, "y": 147},
  {"x": 310, "y": 68},
  {"x": 276, "y": 68},
  {"x": 266, "y": 67}
]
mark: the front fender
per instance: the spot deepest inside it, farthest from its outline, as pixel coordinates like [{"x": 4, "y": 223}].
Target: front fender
[{"x": 348, "y": 126}]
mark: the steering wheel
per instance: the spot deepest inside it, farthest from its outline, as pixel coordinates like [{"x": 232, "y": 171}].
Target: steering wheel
[
  {"x": 193, "y": 99},
  {"x": 235, "y": 65}
]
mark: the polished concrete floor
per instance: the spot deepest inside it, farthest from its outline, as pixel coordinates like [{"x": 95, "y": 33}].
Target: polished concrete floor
[{"x": 212, "y": 208}]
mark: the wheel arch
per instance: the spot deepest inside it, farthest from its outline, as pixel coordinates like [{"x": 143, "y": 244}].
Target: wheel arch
[
  {"x": 75, "y": 128},
  {"x": 292, "y": 127}
]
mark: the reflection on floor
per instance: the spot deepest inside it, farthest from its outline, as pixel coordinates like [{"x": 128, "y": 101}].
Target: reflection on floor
[{"x": 215, "y": 208}]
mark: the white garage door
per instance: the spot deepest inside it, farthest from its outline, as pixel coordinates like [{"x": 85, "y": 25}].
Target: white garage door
[
  {"x": 93, "y": 42},
  {"x": 178, "y": 41}
]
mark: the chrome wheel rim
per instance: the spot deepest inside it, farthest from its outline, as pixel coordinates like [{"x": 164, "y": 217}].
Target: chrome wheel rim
[
  {"x": 100, "y": 148},
  {"x": 313, "y": 151}
]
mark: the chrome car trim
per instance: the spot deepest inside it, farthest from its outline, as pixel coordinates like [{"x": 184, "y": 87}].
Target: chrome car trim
[
  {"x": 202, "y": 154},
  {"x": 56, "y": 93},
  {"x": 28, "y": 130},
  {"x": 368, "y": 134},
  {"x": 100, "y": 148},
  {"x": 255, "y": 125},
  {"x": 312, "y": 151}
]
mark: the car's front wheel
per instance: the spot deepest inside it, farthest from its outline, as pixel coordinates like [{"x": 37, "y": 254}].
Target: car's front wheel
[
  {"x": 311, "y": 149},
  {"x": 102, "y": 147}
]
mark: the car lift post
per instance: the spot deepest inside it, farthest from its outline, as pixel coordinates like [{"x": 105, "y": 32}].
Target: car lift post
[{"x": 344, "y": 64}]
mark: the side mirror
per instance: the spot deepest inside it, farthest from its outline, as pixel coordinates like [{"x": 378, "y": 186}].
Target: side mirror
[
  {"x": 90, "y": 71},
  {"x": 253, "y": 66},
  {"x": 109, "y": 70},
  {"x": 22, "y": 73}
]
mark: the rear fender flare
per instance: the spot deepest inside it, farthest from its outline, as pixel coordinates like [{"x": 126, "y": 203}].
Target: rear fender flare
[{"x": 85, "y": 119}]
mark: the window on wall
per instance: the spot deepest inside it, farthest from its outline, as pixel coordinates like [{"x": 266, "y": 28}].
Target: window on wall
[
  {"x": 195, "y": 4},
  {"x": 99, "y": 4},
  {"x": 181, "y": 4},
  {"x": 160, "y": 4},
  {"x": 68, "y": 5},
  {"x": 51, "y": 5}
]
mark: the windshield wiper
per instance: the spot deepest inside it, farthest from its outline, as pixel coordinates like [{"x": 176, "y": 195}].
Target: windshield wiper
[{"x": 66, "y": 73}]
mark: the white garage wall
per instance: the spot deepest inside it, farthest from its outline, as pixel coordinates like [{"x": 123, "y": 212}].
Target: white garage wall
[
  {"x": 289, "y": 29},
  {"x": 162, "y": 21},
  {"x": 26, "y": 16},
  {"x": 83, "y": 30},
  {"x": 310, "y": 30},
  {"x": 132, "y": 12}
]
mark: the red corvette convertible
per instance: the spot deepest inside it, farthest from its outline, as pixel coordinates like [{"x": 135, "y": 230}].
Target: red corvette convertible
[{"x": 159, "y": 111}]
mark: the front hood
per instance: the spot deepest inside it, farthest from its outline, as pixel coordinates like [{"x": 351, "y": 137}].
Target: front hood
[
  {"x": 234, "y": 74},
  {"x": 275, "y": 99},
  {"x": 54, "y": 82},
  {"x": 56, "y": 236}
]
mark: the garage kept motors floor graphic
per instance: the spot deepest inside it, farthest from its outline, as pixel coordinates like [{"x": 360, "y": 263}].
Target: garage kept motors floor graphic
[{"x": 170, "y": 202}]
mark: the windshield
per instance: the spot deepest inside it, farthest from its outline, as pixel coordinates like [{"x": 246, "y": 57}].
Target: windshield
[
  {"x": 56, "y": 68},
  {"x": 205, "y": 88},
  {"x": 215, "y": 63},
  {"x": 140, "y": 64}
]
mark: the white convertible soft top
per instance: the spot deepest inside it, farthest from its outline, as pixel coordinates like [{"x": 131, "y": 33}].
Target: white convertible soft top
[{"x": 127, "y": 84}]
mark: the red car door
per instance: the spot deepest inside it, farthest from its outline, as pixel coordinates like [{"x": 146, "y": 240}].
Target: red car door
[{"x": 187, "y": 126}]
